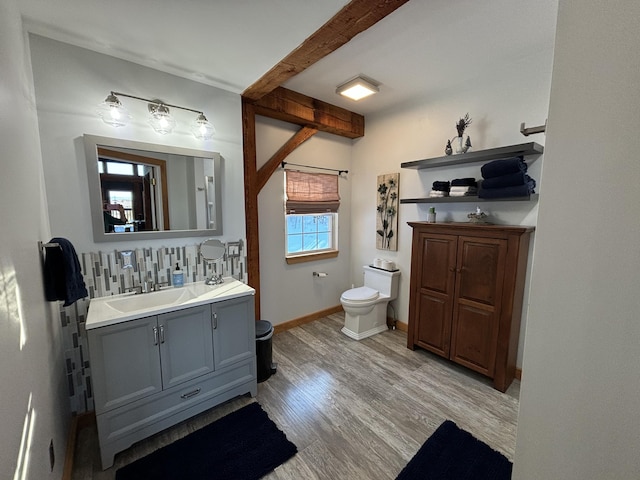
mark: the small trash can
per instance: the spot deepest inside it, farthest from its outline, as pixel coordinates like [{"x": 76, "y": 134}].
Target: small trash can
[{"x": 264, "y": 350}]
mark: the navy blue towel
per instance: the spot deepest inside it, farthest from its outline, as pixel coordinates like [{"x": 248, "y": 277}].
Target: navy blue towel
[
  {"x": 464, "y": 182},
  {"x": 503, "y": 166},
  {"x": 62, "y": 273},
  {"x": 507, "y": 192},
  {"x": 508, "y": 180},
  {"x": 440, "y": 186}
]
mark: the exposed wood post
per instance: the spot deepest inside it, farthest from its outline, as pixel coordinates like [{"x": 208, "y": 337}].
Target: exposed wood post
[
  {"x": 251, "y": 199},
  {"x": 274, "y": 162}
]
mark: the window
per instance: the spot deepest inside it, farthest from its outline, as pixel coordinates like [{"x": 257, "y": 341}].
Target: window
[
  {"x": 310, "y": 233},
  {"x": 311, "y": 216}
]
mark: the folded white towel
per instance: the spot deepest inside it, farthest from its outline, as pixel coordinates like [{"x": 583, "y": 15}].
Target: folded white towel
[
  {"x": 463, "y": 189},
  {"x": 437, "y": 193},
  {"x": 463, "y": 194}
]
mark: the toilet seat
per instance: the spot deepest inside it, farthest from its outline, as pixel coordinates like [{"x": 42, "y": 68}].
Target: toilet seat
[{"x": 360, "y": 294}]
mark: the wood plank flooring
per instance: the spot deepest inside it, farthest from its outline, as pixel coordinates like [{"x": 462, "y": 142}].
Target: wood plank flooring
[{"x": 355, "y": 410}]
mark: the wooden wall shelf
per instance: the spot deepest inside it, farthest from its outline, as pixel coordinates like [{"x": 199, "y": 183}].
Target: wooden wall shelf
[
  {"x": 470, "y": 199},
  {"x": 480, "y": 156}
]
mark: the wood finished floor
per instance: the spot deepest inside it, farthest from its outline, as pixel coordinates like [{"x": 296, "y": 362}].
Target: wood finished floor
[{"x": 355, "y": 410}]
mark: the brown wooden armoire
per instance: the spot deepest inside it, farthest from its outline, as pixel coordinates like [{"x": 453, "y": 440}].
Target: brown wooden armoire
[{"x": 467, "y": 284}]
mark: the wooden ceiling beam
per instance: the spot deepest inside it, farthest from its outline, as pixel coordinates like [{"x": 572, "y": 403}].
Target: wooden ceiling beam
[
  {"x": 354, "y": 18},
  {"x": 293, "y": 107}
]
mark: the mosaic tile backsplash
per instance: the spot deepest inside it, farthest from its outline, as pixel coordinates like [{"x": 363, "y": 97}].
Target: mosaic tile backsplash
[{"x": 105, "y": 274}]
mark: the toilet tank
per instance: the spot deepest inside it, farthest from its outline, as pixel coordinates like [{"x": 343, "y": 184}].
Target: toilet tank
[{"x": 382, "y": 280}]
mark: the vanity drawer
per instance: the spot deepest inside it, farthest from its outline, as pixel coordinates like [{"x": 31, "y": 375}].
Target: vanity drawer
[{"x": 125, "y": 421}]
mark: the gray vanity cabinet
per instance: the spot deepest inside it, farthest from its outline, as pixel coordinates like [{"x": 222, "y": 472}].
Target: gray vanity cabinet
[
  {"x": 233, "y": 339},
  {"x": 153, "y": 372},
  {"x": 186, "y": 344},
  {"x": 125, "y": 363},
  {"x": 140, "y": 357}
]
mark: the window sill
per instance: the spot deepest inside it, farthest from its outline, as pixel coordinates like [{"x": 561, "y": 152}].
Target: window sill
[{"x": 311, "y": 257}]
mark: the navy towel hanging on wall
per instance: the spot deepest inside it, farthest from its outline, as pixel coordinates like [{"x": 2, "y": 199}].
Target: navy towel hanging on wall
[{"x": 62, "y": 273}]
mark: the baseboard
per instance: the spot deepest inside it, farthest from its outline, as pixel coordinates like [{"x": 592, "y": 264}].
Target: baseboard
[
  {"x": 78, "y": 422},
  {"x": 518, "y": 373},
  {"x": 281, "y": 327},
  {"x": 403, "y": 327}
]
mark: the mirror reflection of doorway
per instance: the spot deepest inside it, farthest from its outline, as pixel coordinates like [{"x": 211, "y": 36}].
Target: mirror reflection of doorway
[{"x": 138, "y": 185}]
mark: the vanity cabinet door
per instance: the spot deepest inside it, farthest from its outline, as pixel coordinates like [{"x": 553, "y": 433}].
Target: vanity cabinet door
[
  {"x": 186, "y": 345},
  {"x": 233, "y": 331},
  {"x": 125, "y": 363}
]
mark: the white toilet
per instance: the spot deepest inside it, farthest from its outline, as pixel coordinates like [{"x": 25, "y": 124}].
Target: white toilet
[{"x": 365, "y": 308}]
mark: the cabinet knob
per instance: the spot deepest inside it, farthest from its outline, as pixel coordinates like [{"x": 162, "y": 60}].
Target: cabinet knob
[
  {"x": 215, "y": 320},
  {"x": 452, "y": 269},
  {"x": 161, "y": 333},
  {"x": 155, "y": 335}
]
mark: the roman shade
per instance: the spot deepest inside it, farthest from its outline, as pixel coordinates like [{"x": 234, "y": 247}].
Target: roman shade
[{"x": 311, "y": 192}]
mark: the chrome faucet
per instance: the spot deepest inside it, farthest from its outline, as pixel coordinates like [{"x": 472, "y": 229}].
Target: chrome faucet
[
  {"x": 147, "y": 286},
  {"x": 214, "y": 280}
]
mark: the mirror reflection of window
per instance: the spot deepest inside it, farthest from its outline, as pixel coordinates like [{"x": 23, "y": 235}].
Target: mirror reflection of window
[
  {"x": 136, "y": 179},
  {"x": 125, "y": 199},
  {"x": 176, "y": 192}
]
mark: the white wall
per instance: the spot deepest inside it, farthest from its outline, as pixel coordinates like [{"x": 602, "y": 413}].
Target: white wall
[
  {"x": 70, "y": 82},
  {"x": 579, "y": 413},
  {"x": 497, "y": 103},
  {"x": 34, "y": 407},
  {"x": 291, "y": 291}
]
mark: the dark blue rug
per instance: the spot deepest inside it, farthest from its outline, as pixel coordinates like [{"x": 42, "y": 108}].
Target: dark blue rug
[
  {"x": 243, "y": 445},
  {"x": 454, "y": 454}
]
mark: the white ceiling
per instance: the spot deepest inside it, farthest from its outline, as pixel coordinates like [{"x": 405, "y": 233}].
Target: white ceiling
[{"x": 423, "y": 48}]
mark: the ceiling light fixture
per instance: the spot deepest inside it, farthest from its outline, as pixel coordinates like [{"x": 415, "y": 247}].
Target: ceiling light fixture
[
  {"x": 114, "y": 113},
  {"x": 358, "y": 88}
]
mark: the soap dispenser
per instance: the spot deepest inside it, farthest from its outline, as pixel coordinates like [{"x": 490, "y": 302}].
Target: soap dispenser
[{"x": 178, "y": 277}]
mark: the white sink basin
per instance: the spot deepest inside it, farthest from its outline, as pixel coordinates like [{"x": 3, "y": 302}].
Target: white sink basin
[
  {"x": 144, "y": 301},
  {"x": 104, "y": 311}
]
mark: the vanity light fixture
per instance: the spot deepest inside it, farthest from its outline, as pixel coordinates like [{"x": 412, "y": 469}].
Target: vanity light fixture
[
  {"x": 202, "y": 128},
  {"x": 160, "y": 118},
  {"x": 114, "y": 113},
  {"x": 358, "y": 88}
]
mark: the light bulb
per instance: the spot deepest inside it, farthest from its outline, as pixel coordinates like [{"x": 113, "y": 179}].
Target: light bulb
[
  {"x": 202, "y": 128},
  {"x": 113, "y": 112},
  {"x": 161, "y": 120}
]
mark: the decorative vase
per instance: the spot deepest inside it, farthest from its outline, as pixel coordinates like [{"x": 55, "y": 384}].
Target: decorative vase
[{"x": 459, "y": 144}]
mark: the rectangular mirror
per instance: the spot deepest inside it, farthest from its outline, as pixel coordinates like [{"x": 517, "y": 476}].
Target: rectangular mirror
[{"x": 146, "y": 191}]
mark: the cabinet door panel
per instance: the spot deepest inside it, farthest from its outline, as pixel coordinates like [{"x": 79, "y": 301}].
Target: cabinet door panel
[
  {"x": 432, "y": 319},
  {"x": 480, "y": 269},
  {"x": 434, "y": 325},
  {"x": 125, "y": 363},
  {"x": 473, "y": 342},
  {"x": 233, "y": 331},
  {"x": 187, "y": 346},
  {"x": 476, "y": 315},
  {"x": 437, "y": 263}
]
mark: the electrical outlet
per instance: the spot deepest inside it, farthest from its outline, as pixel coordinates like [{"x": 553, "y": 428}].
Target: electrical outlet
[
  {"x": 233, "y": 249},
  {"x": 127, "y": 260},
  {"x": 52, "y": 455}
]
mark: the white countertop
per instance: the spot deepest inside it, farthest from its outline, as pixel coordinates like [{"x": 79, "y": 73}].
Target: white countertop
[{"x": 104, "y": 311}]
